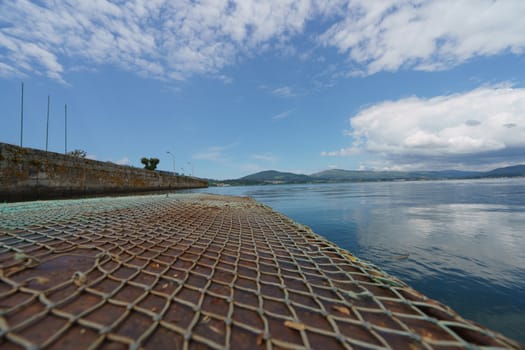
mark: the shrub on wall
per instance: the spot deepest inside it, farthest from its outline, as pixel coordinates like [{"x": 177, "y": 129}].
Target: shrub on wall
[
  {"x": 150, "y": 163},
  {"x": 77, "y": 153}
]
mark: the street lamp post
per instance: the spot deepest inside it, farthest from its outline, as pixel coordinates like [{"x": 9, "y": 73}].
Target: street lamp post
[
  {"x": 173, "y": 158},
  {"x": 191, "y": 167}
]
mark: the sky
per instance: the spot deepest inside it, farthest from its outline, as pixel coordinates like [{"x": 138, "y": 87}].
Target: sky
[{"x": 233, "y": 87}]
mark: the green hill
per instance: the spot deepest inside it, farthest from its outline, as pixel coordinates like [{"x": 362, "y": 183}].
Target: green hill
[
  {"x": 510, "y": 171},
  {"x": 340, "y": 175},
  {"x": 358, "y": 175},
  {"x": 272, "y": 176}
]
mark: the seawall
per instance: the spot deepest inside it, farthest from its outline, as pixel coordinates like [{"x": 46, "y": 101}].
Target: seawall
[{"x": 31, "y": 174}]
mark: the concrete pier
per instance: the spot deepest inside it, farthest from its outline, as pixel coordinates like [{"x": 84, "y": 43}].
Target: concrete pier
[{"x": 202, "y": 271}]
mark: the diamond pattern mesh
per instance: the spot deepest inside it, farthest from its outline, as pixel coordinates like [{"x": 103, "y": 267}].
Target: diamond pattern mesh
[{"x": 201, "y": 271}]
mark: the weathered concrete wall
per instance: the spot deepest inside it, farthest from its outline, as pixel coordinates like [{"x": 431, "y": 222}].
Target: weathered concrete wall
[{"x": 30, "y": 174}]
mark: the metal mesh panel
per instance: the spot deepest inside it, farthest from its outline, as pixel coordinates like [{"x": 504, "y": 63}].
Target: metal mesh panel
[{"x": 201, "y": 271}]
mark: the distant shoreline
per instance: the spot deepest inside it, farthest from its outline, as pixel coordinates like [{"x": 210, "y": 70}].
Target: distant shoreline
[{"x": 272, "y": 177}]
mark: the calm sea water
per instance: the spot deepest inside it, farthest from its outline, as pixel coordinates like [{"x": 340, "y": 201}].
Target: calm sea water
[{"x": 459, "y": 242}]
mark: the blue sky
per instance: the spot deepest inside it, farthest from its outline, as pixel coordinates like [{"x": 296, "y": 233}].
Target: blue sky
[{"x": 235, "y": 87}]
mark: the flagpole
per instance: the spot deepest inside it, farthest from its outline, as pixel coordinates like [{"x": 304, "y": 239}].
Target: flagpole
[
  {"x": 22, "y": 116},
  {"x": 65, "y": 128},
  {"x": 47, "y": 123}
]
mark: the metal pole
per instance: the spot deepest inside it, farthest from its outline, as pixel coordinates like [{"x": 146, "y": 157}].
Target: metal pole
[
  {"x": 172, "y": 157},
  {"x": 47, "y": 124},
  {"x": 22, "y": 117},
  {"x": 65, "y": 128}
]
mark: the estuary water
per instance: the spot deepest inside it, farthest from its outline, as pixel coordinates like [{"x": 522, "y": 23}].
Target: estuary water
[{"x": 459, "y": 242}]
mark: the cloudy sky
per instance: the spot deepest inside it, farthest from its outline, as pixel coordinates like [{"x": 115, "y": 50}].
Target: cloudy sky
[{"x": 231, "y": 87}]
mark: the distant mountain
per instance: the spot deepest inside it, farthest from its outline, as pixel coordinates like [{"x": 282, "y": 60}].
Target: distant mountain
[
  {"x": 272, "y": 176},
  {"x": 510, "y": 171},
  {"x": 340, "y": 175},
  {"x": 457, "y": 174},
  {"x": 358, "y": 175}
]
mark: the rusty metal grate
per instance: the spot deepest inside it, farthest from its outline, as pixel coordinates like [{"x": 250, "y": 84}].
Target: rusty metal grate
[{"x": 201, "y": 271}]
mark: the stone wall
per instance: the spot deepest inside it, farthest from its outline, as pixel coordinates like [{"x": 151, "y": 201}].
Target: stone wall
[{"x": 30, "y": 174}]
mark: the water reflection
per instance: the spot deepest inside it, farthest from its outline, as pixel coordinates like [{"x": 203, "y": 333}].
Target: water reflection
[
  {"x": 484, "y": 241},
  {"x": 461, "y": 242}
]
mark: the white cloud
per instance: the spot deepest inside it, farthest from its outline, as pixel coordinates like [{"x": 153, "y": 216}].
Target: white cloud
[
  {"x": 343, "y": 152},
  {"x": 282, "y": 115},
  {"x": 159, "y": 38},
  {"x": 8, "y": 71},
  {"x": 483, "y": 125},
  {"x": 443, "y": 125},
  {"x": 426, "y": 35},
  {"x": 172, "y": 40},
  {"x": 284, "y": 91}
]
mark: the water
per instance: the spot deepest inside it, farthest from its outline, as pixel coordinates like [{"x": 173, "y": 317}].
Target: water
[{"x": 459, "y": 242}]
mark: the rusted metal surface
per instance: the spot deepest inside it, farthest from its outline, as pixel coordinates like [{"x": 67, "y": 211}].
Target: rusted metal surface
[{"x": 201, "y": 271}]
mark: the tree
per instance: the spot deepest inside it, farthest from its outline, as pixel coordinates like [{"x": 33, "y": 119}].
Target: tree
[
  {"x": 150, "y": 163},
  {"x": 154, "y": 162},
  {"x": 77, "y": 153}
]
